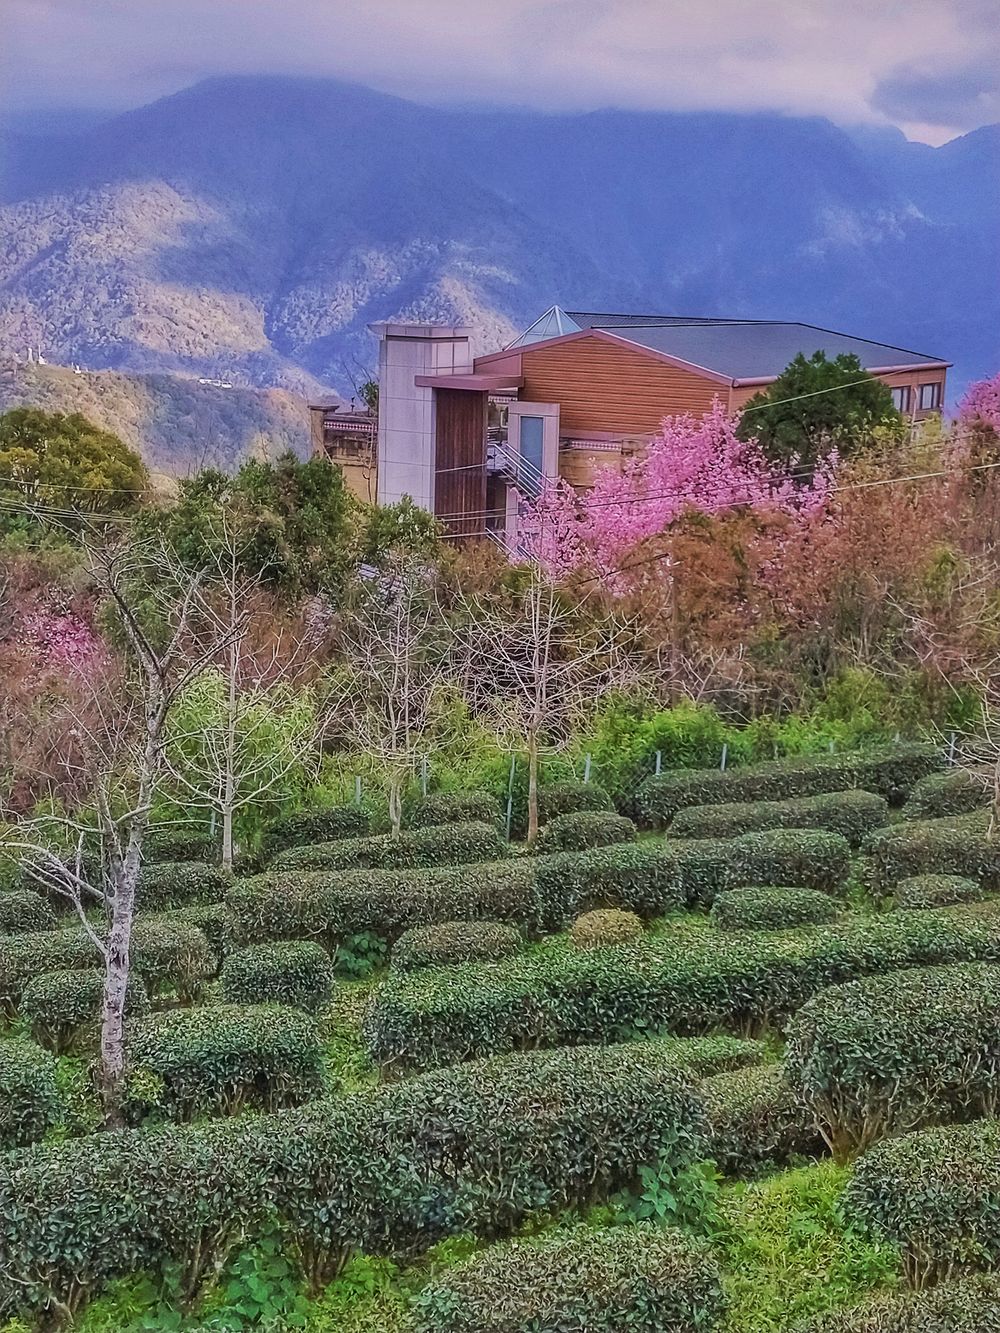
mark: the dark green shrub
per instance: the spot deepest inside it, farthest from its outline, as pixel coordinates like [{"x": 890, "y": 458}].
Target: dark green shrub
[
  {"x": 800, "y": 858},
  {"x": 437, "y": 845},
  {"x": 757, "y": 1119},
  {"x": 957, "y": 846},
  {"x": 852, "y": 814},
  {"x": 605, "y": 927},
  {"x": 22, "y": 956},
  {"x": 936, "y": 1195},
  {"x": 923, "y": 891},
  {"x": 541, "y": 893},
  {"x": 684, "y": 982},
  {"x": 178, "y": 883},
  {"x": 701, "y": 1056},
  {"x": 59, "y": 1005},
  {"x": 29, "y": 1098},
  {"x": 957, "y": 791},
  {"x": 587, "y": 828},
  {"x": 773, "y": 909},
  {"x": 212, "y": 919},
  {"x": 181, "y": 843},
  {"x": 292, "y": 972},
  {"x": 968, "y": 1305},
  {"x": 455, "y": 942},
  {"x": 22, "y": 911},
  {"x": 172, "y": 955},
  {"x": 339, "y": 821},
  {"x": 455, "y": 807},
  {"x": 890, "y": 771},
  {"x": 642, "y": 1278},
  {"x": 223, "y": 1059},
  {"x": 887, "y": 1054},
  {"x": 570, "y": 798}
]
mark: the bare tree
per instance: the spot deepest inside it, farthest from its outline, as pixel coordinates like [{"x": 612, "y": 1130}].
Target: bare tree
[
  {"x": 92, "y": 859},
  {"x": 530, "y": 670},
  {"x": 396, "y": 649}
]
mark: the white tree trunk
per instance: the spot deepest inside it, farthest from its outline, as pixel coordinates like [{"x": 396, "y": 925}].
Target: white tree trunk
[
  {"x": 532, "y": 788},
  {"x": 395, "y": 802}
]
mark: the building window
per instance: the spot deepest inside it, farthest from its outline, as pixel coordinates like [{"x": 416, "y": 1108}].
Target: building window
[
  {"x": 930, "y": 396},
  {"x": 901, "y": 398}
]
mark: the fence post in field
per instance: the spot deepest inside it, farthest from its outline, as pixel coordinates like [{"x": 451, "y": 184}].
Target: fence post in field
[
  {"x": 659, "y": 762},
  {"x": 357, "y": 790},
  {"x": 510, "y": 794},
  {"x": 586, "y": 768},
  {"x": 725, "y": 756}
]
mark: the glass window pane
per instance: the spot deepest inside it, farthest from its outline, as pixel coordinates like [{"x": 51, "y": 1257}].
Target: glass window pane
[{"x": 532, "y": 435}]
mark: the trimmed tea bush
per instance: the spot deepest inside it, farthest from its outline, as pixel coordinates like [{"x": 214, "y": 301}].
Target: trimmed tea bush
[
  {"x": 958, "y": 791},
  {"x": 852, "y": 814},
  {"x": 59, "y": 1005},
  {"x": 688, "y": 982},
  {"x": 172, "y": 955},
  {"x": 587, "y": 828},
  {"x": 178, "y": 883},
  {"x": 936, "y": 1195},
  {"x": 773, "y": 909},
  {"x": 570, "y": 798},
  {"x": 22, "y": 956},
  {"x": 224, "y": 1059},
  {"x": 802, "y": 858},
  {"x": 605, "y": 927},
  {"x": 957, "y": 846},
  {"x": 922, "y": 891},
  {"x": 757, "y": 1119},
  {"x": 643, "y": 1278},
  {"x": 29, "y": 1098},
  {"x": 22, "y": 911},
  {"x": 968, "y": 1305},
  {"x": 701, "y": 1056},
  {"x": 293, "y": 972},
  {"x": 438, "y": 845},
  {"x": 889, "y": 771},
  {"x": 541, "y": 893},
  {"x": 455, "y": 807},
  {"x": 183, "y": 843},
  {"x": 212, "y": 919},
  {"x": 886, "y": 1054},
  {"x": 455, "y": 942},
  {"x": 339, "y": 821}
]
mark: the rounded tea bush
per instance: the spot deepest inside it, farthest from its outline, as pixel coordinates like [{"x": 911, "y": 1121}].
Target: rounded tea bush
[
  {"x": 29, "y": 1098},
  {"x": 455, "y": 807},
  {"x": 293, "y": 972},
  {"x": 455, "y": 942},
  {"x": 584, "y": 829},
  {"x": 921, "y": 891},
  {"x": 603, "y": 927},
  {"x": 60, "y": 1004},
  {"x": 965, "y": 1305},
  {"x": 958, "y": 791},
  {"x": 22, "y": 911},
  {"x": 772, "y": 909},
  {"x": 569, "y": 798}
]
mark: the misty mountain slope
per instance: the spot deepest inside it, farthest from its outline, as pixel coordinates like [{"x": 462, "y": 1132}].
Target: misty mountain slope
[{"x": 251, "y": 228}]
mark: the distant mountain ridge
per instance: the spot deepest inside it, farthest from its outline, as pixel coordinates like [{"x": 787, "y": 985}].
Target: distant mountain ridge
[{"x": 250, "y": 229}]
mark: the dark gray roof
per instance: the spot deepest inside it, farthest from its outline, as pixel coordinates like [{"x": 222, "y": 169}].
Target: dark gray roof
[{"x": 745, "y": 349}]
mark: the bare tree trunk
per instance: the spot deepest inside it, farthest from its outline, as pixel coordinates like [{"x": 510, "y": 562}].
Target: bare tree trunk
[
  {"x": 532, "y": 787},
  {"x": 227, "y": 830}
]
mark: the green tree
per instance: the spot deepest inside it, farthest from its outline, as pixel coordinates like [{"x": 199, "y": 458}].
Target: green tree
[
  {"x": 64, "y": 462},
  {"x": 815, "y": 406},
  {"x": 399, "y": 531}
]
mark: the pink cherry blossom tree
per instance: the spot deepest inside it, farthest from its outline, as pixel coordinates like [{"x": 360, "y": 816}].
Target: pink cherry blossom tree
[
  {"x": 691, "y": 463},
  {"x": 980, "y": 406}
]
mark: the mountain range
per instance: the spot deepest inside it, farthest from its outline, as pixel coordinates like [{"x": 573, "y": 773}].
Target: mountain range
[{"x": 250, "y": 228}]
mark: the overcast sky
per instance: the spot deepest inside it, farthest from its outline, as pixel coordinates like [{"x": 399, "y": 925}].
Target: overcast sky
[{"x": 930, "y": 66}]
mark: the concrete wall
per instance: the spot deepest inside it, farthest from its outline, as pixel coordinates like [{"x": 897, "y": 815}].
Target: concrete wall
[{"x": 406, "y": 426}]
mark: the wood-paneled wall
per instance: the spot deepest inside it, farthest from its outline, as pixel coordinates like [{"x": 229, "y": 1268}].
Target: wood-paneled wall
[
  {"x": 605, "y": 386},
  {"x": 460, "y": 459}
]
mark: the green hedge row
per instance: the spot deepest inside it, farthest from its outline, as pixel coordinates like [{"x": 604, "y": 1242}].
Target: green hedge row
[
  {"x": 936, "y": 1195},
  {"x": 469, "y": 1150},
  {"x": 222, "y": 1059},
  {"x": 437, "y": 845},
  {"x": 291, "y": 972},
  {"x": 586, "y": 828},
  {"x": 541, "y": 893},
  {"x": 684, "y": 983},
  {"x": 890, "y": 771},
  {"x": 570, "y": 798},
  {"x": 922, "y": 891},
  {"x": 852, "y": 814},
  {"x": 22, "y": 911},
  {"x": 180, "y": 843},
  {"x": 29, "y": 1097},
  {"x": 170, "y": 884},
  {"x": 967, "y": 1305},
  {"x": 455, "y": 807},
  {"x": 641, "y": 1278},
  {"x": 954, "y": 846},
  {"x": 958, "y": 791},
  {"x": 60, "y": 1006},
  {"x": 757, "y": 1119},
  {"x": 773, "y": 909},
  {"x": 455, "y": 942},
  {"x": 887, "y": 1054},
  {"x": 338, "y": 821},
  {"x": 800, "y": 858}
]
